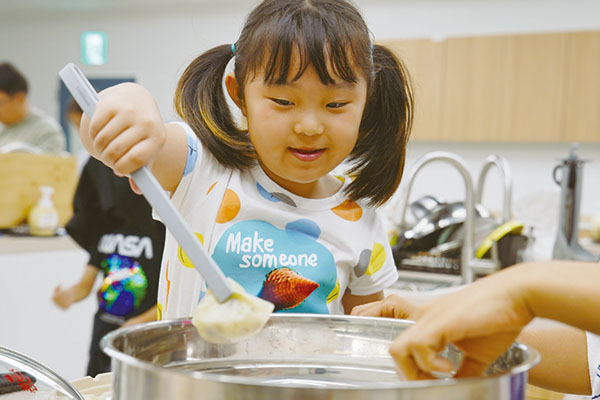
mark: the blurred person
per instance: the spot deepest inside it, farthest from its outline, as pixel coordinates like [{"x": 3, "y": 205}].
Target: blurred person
[
  {"x": 485, "y": 318},
  {"x": 22, "y": 124},
  {"x": 116, "y": 228}
]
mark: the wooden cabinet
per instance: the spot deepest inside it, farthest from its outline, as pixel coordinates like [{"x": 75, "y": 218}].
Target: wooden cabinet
[
  {"x": 506, "y": 88},
  {"x": 22, "y": 174},
  {"x": 582, "y": 99},
  {"x": 537, "y": 88},
  {"x": 476, "y": 88},
  {"x": 424, "y": 61}
]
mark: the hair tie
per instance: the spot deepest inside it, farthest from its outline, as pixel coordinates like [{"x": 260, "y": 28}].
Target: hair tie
[{"x": 233, "y": 48}]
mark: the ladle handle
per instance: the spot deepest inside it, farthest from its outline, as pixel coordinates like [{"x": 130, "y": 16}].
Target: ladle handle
[
  {"x": 156, "y": 196},
  {"x": 87, "y": 98}
]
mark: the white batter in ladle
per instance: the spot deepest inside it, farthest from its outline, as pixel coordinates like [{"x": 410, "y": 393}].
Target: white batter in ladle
[{"x": 224, "y": 315}]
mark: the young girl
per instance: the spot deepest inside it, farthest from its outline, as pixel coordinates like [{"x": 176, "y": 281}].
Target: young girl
[{"x": 315, "y": 91}]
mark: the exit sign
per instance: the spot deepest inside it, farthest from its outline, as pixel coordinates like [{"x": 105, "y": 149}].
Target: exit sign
[{"x": 93, "y": 48}]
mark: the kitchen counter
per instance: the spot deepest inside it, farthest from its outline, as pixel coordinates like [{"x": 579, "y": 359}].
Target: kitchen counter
[
  {"x": 588, "y": 244},
  {"x": 30, "y": 269},
  {"x": 25, "y": 244}
]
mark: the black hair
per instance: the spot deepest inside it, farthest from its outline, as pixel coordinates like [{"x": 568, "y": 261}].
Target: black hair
[
  {"x": 332, "y": 37},
  {"x": 11, "y": 80}
]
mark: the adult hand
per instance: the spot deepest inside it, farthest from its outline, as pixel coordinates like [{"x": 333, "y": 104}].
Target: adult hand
[{"x": 482, "y": 320}]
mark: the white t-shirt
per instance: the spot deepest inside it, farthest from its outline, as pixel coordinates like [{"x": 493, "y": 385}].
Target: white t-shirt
[
  {"x": 593, "y": 346},
  {"x": 301, "y": 254}
]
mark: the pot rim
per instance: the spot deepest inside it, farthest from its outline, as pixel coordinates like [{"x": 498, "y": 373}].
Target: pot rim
[{"x": 106, "y": 344}]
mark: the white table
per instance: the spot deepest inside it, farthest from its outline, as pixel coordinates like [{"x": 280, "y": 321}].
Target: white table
[{"x": 30, "y": 268}]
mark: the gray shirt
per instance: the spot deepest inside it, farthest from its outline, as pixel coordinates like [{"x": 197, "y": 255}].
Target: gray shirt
[{"x": 38, "y": 130}]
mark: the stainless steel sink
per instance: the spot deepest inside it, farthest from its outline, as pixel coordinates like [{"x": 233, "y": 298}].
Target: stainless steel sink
[{"x": 427, "y": 272}]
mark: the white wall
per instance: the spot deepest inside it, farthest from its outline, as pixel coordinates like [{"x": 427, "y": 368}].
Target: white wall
[{"x": 155, "y": 45}]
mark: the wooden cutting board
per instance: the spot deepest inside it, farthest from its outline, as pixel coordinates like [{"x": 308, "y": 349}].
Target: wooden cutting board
[{"x": 21, "y": 175}]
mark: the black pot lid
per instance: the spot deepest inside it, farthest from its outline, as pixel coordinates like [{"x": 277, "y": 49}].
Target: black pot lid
[{"x": 22, "y": 377}]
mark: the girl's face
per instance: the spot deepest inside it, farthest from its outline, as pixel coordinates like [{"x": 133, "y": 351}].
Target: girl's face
[{"x": 303, "y": 129}]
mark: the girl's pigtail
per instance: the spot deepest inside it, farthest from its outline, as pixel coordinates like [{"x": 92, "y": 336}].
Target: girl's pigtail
[
  {"x": 379, "y": 154},
  {"x": 200, "y": 101}
]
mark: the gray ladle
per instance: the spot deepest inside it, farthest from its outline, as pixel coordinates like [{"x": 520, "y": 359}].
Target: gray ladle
[{"x": 87, "y": 98}]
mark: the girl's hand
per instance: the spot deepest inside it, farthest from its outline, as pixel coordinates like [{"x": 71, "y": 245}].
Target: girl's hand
[
  {"x": 482, "y": 320},
  {"x": 131, "y": 322},
  {"x": 392, "y": 306},
  {"x": 126, "y": 131}
]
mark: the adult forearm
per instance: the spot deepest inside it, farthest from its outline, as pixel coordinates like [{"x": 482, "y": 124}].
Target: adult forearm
[
  {"x": 564, "y": 291},
  {"x": 562, "y": 368}
]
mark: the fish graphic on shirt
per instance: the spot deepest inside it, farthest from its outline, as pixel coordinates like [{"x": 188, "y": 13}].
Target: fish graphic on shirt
[{"x": 286, "y": 289}]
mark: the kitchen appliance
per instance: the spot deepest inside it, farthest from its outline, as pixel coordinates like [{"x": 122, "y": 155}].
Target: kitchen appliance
[
  {"x": 566, "y": 246},
  {"x": 296, "y": 356}
]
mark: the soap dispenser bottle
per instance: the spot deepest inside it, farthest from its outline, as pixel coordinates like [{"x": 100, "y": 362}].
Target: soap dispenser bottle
[{"x": 43, "y": 217}]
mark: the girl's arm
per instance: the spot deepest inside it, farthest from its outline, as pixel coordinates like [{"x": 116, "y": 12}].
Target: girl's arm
[
  {"x": 349, "y": 301},
  {"x": 147, "y": 316},
  {"x": 170, "y": 162},
  {"x": 126, "y": 133},
  {"x": 64, "y": 298},
  {"x": 392, "y": 306}
]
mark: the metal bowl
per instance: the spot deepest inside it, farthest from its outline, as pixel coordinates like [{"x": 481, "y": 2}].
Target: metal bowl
[{"x": 296, "y": 356}]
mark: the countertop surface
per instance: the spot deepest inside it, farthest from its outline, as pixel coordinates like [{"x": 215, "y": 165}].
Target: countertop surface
[
  {"x": 24, "y": 244},
  {"x": 10, "y": 244},
  {"x": 590, "y": 245}
]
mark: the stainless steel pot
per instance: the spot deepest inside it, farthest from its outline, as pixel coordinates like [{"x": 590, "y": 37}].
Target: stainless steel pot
[
  {"x": 296, "y": 356},
  {"x": 27, "y": 378}
]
